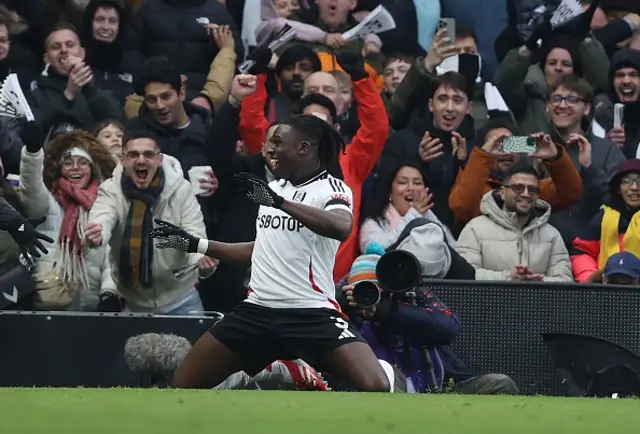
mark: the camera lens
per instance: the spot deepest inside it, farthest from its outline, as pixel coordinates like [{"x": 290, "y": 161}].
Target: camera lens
[
  {"x": 398, "y": 271},
  {"x": 366, "y": 294}
]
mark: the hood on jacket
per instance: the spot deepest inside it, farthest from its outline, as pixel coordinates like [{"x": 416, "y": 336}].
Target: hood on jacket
[
  {"x": 622, "y": 59},
  {"x": 103, "y": 163},
  {"x": 103, "y": 56},
  {"x": 566, "y": 42},
  {"x": 193, "y": 110},
  {"x": 492, "y": 207},
  {"x": 172, "y": 172}
]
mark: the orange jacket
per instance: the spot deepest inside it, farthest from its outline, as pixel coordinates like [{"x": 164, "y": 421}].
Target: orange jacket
[
  {"x": 356, "y": 163},
  {"x": 561, "y": 190}
]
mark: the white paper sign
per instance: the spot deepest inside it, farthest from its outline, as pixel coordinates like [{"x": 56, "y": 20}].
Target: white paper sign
[
  {"x": 378, "y": 21},
  {"x": 567, "y": 10}
]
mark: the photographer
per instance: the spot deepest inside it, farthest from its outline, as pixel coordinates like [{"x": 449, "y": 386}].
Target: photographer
[{"x": 408, "y": 326}]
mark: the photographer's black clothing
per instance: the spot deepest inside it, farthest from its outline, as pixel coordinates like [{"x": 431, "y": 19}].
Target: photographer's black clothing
[{"x": 262, "y": 335}]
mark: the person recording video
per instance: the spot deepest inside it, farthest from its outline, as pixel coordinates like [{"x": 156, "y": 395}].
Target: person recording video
[{"x": 408, "y": 326}]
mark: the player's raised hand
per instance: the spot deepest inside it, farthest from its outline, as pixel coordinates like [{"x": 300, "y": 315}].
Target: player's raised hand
[
  {"x": 257, "y": 190},
  {"x": 174, "y": 237}
]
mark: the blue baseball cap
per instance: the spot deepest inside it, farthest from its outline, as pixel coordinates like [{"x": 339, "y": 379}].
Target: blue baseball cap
[{"x": 625, "y": 263}]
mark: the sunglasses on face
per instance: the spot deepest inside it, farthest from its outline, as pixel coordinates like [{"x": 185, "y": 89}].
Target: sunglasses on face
[{"x": 520, "y": 188}]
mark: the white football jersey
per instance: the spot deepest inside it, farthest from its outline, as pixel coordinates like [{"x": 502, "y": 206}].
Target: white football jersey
[{"x": 291, "y": 266}]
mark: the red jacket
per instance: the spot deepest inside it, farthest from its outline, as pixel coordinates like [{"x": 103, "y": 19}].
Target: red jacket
[{"x": 356, "y": 163}]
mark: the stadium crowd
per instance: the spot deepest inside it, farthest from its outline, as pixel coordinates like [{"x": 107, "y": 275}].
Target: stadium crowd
[{"x": 141, "y": 114}]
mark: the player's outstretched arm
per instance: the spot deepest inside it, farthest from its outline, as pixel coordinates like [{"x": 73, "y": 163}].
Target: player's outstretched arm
[
  {"x": 239, "y": 253},
  {"x": 174, "y": 237},
  {"x": 335, "y": 224}
]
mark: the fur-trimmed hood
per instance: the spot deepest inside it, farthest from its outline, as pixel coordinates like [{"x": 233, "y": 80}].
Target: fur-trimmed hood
[{"x": 103, "y": 161}]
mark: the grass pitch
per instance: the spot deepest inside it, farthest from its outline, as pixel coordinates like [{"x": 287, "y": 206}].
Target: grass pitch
[{"x": 149, "y": 411}]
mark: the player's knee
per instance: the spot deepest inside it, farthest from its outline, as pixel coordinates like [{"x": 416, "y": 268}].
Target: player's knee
[
  {"x": 382, "y": 380},
  {"x": 377, "y": 384}
]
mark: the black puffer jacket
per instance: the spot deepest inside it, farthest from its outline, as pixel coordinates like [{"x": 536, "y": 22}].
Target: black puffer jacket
[
  {"x": 170, "y": 28},
  {"x": 106, "y": 58}
]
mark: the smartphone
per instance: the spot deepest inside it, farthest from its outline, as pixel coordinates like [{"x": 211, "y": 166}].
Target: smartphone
[
  {"x": 618, "y": 115},
  {"x": 450, "y": 25},
  {"x": 519, "y": 144}
]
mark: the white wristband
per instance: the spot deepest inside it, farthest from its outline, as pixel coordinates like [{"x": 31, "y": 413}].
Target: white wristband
[{"x": 203, "y": 246}]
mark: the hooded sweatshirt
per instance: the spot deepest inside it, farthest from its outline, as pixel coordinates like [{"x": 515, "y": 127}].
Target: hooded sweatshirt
[
  {"x": 604, "y": 105},
  {"x": 105, "y": 58}
]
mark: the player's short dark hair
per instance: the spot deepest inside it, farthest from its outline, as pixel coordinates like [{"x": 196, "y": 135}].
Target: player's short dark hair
[
  {"x": 319, "y": 99},
  {"x": 398, "y": 56},
  {"x": 573, "y": 83},
  {"x": 321, "y": 134},
  {"x": 452, "y": 80},
  {"x": 130, "y": 135},
  {"x": 518, "y": 169},
  {"x": 157, "y": 70},
  {"x": 464, "y": 31},
  {"x": 57, "y": 27}
]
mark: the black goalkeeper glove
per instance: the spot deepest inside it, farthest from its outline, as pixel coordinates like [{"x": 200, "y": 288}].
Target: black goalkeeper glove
[
  {"x": 257, "y": 190},
  {"x": 23, "y": 230},
  {"x": 174, "y": 237}
]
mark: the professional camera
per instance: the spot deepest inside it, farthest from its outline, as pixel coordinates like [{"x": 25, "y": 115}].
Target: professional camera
[{"x": 397, "y": 272}]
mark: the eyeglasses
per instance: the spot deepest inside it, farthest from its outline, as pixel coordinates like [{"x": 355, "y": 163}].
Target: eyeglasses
[
  {"x": 571, "y": 100},
  {"x": 520, "y": 188},
  {"x": 68, "y": 163},
  {"x": 147, "y": 155},
  {"x": 630, "y": 181}
]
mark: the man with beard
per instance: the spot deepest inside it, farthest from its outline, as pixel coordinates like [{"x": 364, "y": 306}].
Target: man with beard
[
  {"x": 513, "y": 240},
  {"x": 293, "y": 67},
  {"x": 66, "y": 90},
  {"x": 487, "y": 164},
  {"x": 624, "y": 79}
]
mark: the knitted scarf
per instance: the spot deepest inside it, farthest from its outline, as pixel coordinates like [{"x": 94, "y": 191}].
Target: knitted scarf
[
  {"x": 76, "y": 203},
  {"x": 136, "y": 251}
]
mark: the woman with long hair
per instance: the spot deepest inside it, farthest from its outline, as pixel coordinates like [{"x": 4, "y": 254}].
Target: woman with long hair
[
  {"x": 401, "y": 196},
  {"x": 61, "y": 182}
]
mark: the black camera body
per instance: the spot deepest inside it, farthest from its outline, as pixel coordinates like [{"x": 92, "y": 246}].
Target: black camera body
[{"x": 397, "y": 271}]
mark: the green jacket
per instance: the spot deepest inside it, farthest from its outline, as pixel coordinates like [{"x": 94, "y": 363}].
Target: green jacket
[
  {"x": 91, "y": 105},
  {"x": 524, "y": 88}
]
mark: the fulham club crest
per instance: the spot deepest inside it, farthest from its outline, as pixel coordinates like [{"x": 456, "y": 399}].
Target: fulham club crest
[{"x": 299, "y": 196}]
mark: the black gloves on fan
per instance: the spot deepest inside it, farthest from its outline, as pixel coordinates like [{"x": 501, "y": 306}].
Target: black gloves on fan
[
  {"x": 109, "y": 302},
  {"x": 261, "y": 56},
  {"x": 33, "y": 136},
  {"x": 174, "y": 237},
  {"x": 353, "y": 64},
  {"x": 23, "y": 230},
  {"x": 257, "y": 190},
  {"x": 540, "y": 33}
]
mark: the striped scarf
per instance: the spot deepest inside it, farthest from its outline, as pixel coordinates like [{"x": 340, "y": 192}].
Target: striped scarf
[{"x": 136, "y": 251}]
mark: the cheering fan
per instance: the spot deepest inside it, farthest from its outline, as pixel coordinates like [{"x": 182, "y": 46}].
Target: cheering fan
[{"x": 12, "y": 100}]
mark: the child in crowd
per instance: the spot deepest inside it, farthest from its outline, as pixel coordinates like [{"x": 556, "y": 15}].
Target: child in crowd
[{"x": 110, "y": 133}]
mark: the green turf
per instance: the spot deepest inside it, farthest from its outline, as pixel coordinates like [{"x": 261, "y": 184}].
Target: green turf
[{"x": 133, "y": 411}]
